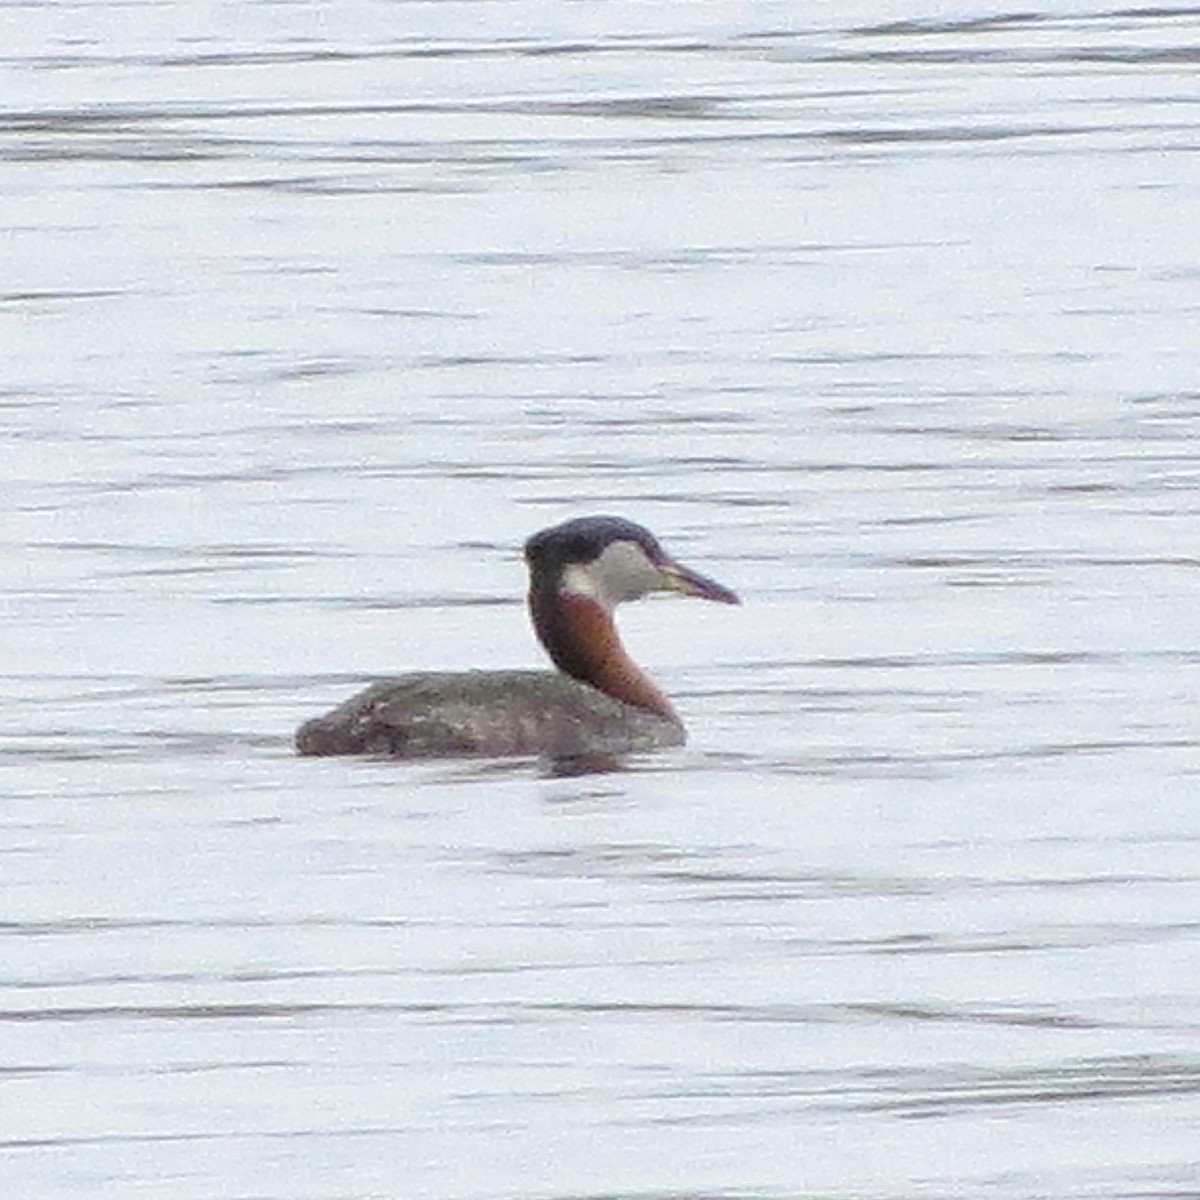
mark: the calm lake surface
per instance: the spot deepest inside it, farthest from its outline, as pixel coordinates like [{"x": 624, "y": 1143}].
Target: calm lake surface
[{"x": 884, "y": 315}]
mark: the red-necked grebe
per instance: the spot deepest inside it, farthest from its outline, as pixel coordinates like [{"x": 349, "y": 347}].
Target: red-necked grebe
[{"x": 601, "y": 704}]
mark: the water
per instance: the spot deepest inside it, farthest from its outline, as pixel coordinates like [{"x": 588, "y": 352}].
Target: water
[{"x": 883, "y": 316}]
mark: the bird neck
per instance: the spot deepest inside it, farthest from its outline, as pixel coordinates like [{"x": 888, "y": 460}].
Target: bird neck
[{"x": 579, "y": 635}]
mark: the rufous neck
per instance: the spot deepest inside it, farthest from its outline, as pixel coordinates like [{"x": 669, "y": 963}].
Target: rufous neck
[{"x": 579, "y": 635}]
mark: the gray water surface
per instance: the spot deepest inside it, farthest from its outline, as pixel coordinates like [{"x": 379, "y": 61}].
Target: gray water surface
[{"x": 885, "y": 317}]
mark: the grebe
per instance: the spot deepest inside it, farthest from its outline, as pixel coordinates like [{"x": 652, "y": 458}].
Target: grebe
[{"x": 602, "y": 704}]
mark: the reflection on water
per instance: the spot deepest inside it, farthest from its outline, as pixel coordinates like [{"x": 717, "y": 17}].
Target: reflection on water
[{"x": 311, "y": 316}]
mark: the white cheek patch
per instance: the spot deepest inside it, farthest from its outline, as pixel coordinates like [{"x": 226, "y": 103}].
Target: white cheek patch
[
  {"x": 622, "y": 572},
  {"x": 580, "y": 580}
]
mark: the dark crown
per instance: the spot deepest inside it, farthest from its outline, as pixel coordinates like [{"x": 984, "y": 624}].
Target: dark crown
[{"x": 584, "y": 539}]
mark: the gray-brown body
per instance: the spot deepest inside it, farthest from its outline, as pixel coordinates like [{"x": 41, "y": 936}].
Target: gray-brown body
[{"x": 492, "y": 714}]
